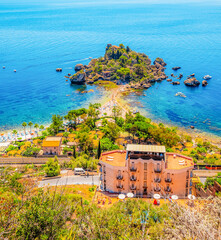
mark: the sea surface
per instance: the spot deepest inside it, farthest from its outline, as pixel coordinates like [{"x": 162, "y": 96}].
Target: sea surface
[{"x": 38, "y": 37}]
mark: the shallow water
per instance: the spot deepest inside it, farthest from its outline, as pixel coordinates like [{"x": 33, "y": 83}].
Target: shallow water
[{"x": 38, "y": 38}]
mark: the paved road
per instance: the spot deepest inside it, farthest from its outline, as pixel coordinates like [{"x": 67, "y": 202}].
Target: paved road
[{"x": 70, "y": 180}]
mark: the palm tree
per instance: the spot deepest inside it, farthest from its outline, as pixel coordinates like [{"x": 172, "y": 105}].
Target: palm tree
[
  {"x": 30, "y": 124},
  {"x": 14, "y": 131},
  {"x": 41, "y": 127},
  {"x": 36, "y": 126},
  {"x": 24, "y": 124}
]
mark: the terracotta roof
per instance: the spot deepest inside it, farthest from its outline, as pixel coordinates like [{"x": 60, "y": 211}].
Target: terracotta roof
[
  {"x": 177, "y": 161},
  {"x": 114, "y": 158},
  {"x": 146, "y": 148},
  {"x": 52, "y": 142}
]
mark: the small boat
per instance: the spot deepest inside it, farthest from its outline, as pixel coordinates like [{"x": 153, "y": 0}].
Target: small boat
[
  {"x": 3, "y": 67},
  {"x": 180, "y": 94},
  {"x": 15, "y": 70},
  {"x": 206, "y": 77},
  {"x": 90, "y": 57}
]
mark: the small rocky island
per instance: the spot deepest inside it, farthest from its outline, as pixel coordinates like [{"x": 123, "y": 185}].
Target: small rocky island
[{"x": 121, "y": 65}]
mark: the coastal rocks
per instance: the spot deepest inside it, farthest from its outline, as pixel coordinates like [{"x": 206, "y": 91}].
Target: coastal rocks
[
  {"x": 78, "y": 78},
  {"x": 192, "y": 82},
  {"x": 169, "y": 80},
  {"x": 58, "y": 69},
  {"x": 78, "y": 67},
  {"x": 176, "y": 68},
  {"x": 180, "y": 76},
  {"x": 159, "y": 61},
  {"x": 176, "y": 83},
  {"x": 192, "y": 127},
  {"x": 204, "y": 83}
]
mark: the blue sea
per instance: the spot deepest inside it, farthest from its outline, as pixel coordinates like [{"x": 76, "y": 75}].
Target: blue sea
[{"x": 37, "y": 37}]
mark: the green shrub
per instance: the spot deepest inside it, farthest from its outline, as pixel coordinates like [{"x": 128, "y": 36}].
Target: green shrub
[{"x": 52, "y": 167}]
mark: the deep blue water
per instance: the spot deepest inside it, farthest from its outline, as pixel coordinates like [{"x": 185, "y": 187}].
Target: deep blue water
[{"x": 37, "y": 38}]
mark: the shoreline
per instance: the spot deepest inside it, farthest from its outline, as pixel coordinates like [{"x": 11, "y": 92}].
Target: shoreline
[{"x": 115, "y": 96}]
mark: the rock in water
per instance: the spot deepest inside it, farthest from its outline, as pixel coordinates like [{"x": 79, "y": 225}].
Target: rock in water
[
  {"x": 58, "y": 69},
  {"x": 78, "y": 78},
  {"x": 204, "y": 83},
  {"x": 176, "y": 83},
  {"x": 192, "y": 82},
  {"x": 78, "y": 67},
  {"x": 176, "y": 68}
]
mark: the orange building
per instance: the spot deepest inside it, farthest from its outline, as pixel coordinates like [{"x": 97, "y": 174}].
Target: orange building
[
  {"x": 145, "y": 170},
  {"x": 52, "y": 146}
]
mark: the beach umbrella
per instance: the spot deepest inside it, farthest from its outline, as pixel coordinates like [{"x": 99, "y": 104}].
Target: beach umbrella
[
  {"x": 191, "y": 197},
  {"x": 121, "y": 196},
  {"x": 156, "y": 196},
  {"x": 174, "y": 197},
  {"x": 130, "y": 195}
]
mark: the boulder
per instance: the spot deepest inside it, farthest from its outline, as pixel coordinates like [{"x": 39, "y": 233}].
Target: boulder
[
  {"x": 204, "y": 83},
  {"x": 176, "y": 68},
  {"x": 58, "y": 69},
  {"x": 78, "y": 67},
  {"x": 192, "y": 82},
  {"x": 78, "y": 78}
]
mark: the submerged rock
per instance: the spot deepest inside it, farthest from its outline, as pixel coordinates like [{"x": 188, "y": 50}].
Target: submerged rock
[
  {"x": 58, "y": 69},
  {"x": 169, "y": 80},
  {"x": 192, "y": 82},
  {"x": 176, "y": 83}
]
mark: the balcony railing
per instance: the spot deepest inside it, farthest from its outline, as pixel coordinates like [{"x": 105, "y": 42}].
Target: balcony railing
[
  {"x": 146, "y": 157},
  {"x": 104, "y": 171},
  {"x": 158, "y": 180},
  {"x": 157, "y": 189},
  {"x": 133, "y": 169},
  {"x": 157, "y": 170},
  {"x": 133, "y": 178},
  {"x": 167, "y": 189},
  {"x": 133, "y": 187},
  {"x": 119, "y": 177},
  {"x": 119, "y": 186},
  {"x": 168, "y": 180}
]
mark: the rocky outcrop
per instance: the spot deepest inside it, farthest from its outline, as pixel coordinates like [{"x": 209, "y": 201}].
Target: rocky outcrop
[
  {"x": 78, "y": 78},
  {"x": 192, "y": 82},
  {"x": 159, "y": 61},
  {"x": 176, "y": 83},
  {"x": 180, "y": 76},
  {"x": 176, "y": 68},
  {"x": 169, "y": 80},
  {"x": 58, "y": 69},
  {"x": 204, "y": 83},
  {"x": 79, "y": 67}
]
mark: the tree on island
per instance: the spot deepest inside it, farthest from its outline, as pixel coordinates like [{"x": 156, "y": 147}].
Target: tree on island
[
  {"x": 52, "y": 167},
  {"x": 24, "y": 124},
  {"x": 30, "y": 125}
]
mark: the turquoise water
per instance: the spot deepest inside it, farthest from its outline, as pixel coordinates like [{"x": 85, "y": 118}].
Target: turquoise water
[{"x": 38, "y": 38}]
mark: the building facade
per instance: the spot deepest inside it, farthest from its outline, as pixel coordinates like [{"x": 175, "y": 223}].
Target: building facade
[
  {"x": 52, "y": 146},
  {"x": 145, "y": 170}
]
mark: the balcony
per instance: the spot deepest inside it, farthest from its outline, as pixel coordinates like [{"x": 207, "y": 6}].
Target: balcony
[
  {"x": 157, "y": 189},
  {"x": 104, "y": 171},
  {"x": 167, "y": 189},
  {"x": 145, "y": 186},
  {"x": 119, "y": 177},
  {"x": 119, "y": 186},
  {"x": 133, "y": 187},
  {"x": 157, "y": 170},
  {"x": 133, "y": 169},
  {"x": 168, "y": 180},
  {"x": 157, "y": 180},
  {"x": 133, "y": 178}
]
